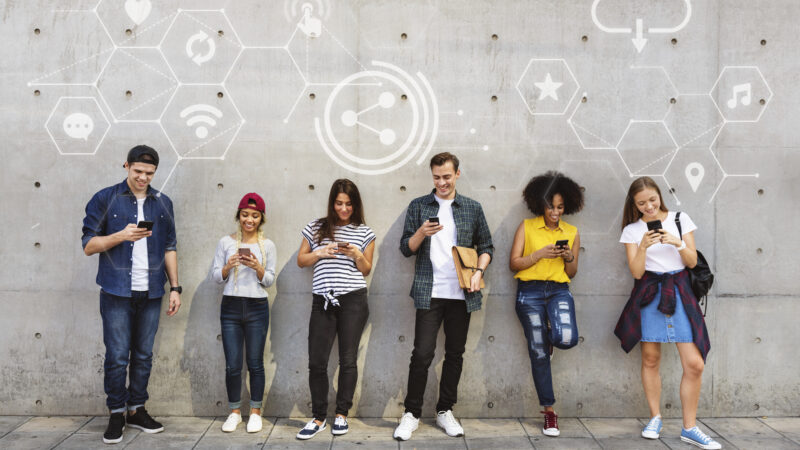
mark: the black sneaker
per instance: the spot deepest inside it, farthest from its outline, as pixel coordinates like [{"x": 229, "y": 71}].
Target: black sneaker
[
  {"x": 143, "y": 421},
  {"x": 116, "y": 425}
]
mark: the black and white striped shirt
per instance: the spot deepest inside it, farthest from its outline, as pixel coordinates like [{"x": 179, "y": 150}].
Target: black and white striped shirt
[{"x": 339, "y": 274}]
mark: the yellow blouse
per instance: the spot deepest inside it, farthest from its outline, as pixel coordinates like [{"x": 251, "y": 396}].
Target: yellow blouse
[{"x": 538, "y": 235}]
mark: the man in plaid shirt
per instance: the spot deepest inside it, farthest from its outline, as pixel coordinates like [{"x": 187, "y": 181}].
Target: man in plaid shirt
[{"x": 434, "y": 224}]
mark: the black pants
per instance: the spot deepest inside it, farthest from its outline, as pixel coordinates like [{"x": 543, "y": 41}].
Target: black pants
[
  {"x": 456, "y": 324},
  {"x": 347, "y": 321}
]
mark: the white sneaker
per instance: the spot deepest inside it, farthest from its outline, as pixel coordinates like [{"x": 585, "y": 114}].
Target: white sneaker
[
  {"x": 233, "y": 421},
  {"x": 254, "y": 423},
  {"x": 449, "y": 423},
  {"x": 408, "y": 425}
]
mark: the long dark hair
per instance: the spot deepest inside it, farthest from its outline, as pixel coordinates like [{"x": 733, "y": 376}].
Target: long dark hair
[
  {"x": 630, "y": 213},
  {"x": 326, "y": 224}
]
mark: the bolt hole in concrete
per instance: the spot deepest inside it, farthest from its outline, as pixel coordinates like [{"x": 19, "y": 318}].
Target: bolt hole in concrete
[
  {"x": 579, "y": 405},
  {"x": 582, "y": 249},
  {"x": 757, "y": 340},
  {"x": 756, "y": 406},
  {"x": 312, "y": 96},
  {"x": 37, "y": 92},
  {"x": 128, "y": 94},
  {"x": 37, "y": 245},
  {"x": 759, "y": 251},
  {"x": 672, "y": 190},
  {"x": 219, "y": 337},
  {"x": 403, "y": 97},
  {"x": 308, "y": 404},
  {"x": 492, "y": 188},
  {"x": 491, "y": 338},
  {"x": 763, "y": 41},
  {"x": 583, "y": 189},
  {"x": 38, "y": 335},
  {"x": 220, "y": 33},
  {"x": 220, "y": 186},
  {"x": 402, "y": 188},
  {"x": 580, "y": 339},
  {"x": 760, "y": 191},
  {"x": 401, "y": 338},
  {"x": 219, "y": 403},
  {"x": 490, "y": 404},
  {"x": 673, "y": 100},
  {"x": 762, "y": 102},
  {"x": 494, "y": 98},
  {"x": 668, "y": 406},
  {"x": 584, "y": 38},
  {"x": 38, "y": 403},
  {"x": 494, "y": 37},
  {"x": 37, "y": 184},
  {"x": 128, "y": 32},
  {"x": 310, "y": 187},
  {"x": 584, "y": 99},
  {"x": 220, "y": 95},
  {"x": 404, "y": 36},
  {"x": 674, "y": 41},
  {"x": 37, "y": 31}
]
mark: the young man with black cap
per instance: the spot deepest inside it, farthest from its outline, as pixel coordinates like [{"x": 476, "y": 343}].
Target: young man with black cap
[{"x": 135, "y": 261}]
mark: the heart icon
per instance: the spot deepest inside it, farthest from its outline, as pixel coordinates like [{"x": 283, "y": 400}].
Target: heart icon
[{"x": 138, "y": 10}]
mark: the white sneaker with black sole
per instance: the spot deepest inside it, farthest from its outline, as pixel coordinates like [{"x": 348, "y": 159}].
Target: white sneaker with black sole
[
  {"x": 446, "y": 421},
  {"x": 408, "y": 425}
]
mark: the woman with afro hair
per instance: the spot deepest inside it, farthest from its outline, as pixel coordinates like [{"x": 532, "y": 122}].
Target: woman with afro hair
[{"x": 544, "y": 261}]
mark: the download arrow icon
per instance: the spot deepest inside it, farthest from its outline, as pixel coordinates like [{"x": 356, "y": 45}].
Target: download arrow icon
[{"x": 639, "y": 41}]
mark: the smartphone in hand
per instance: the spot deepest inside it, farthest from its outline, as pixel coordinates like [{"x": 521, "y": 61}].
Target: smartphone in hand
[
  {"x": 343, "y": 244},
  {"x": 433, "y": 219},
  {"x": 655, "y": 225},
  {"x": 562, "y": 243},
  {"x": 245, "y": 252},
  {"x": 148, "y": 224}
]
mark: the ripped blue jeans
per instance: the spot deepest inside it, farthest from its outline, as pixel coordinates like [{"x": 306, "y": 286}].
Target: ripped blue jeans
[{"x": 540, "y": 303}]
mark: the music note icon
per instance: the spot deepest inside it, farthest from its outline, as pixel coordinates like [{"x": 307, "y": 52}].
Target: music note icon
[{"x": 746, "y": 93}]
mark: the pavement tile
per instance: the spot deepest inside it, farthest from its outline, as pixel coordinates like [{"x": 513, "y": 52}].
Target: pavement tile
[
  {"x": 676, "y": 443},
  {"x": 755, "y": 443},
  {"x": 485, "y": 428},
  {"x": 57, "y": 424},
  {"x": 613, "y": 428},
  {"x": 630, "y": 443},
  {"x": 433, "y": 444},
  {"x": 740, "y": 427},
  {"x": 368, "y": 430},
  {"x": 499, "y": 443},
  {"x": 31, "y": 440},
  {"x": 570, "y": 428},
  {"x": 564, "y": 443},
  {"x": 285, "y": 431},
  {"x": 342, "y": 444},
  {"x": 185, "y": 425},
  {"x": 787, "y": 426},
  {"x": 253, "y": 441},
  {"x": 9, "y": 423},
  {"x": 163, "y": 441},
  {"x": 88, "y": 441},
  {"x": 215, "y": 430}
]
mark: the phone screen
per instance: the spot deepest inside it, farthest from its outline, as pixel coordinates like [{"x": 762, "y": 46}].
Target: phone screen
[
  {"x": 433, "y": 219},
  {"x": 244, "y": 252},
  {"x": 145, "y": 224},
  {"x": 562, "y": 243},
  {"x": 654, "y": 225},
  {"x": 343, "y": 244}
]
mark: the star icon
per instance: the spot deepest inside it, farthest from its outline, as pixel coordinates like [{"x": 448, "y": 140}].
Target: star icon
[{"x": 548, "y": 88}]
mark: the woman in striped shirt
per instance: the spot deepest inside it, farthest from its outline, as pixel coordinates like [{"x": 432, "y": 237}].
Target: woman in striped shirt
[{"x": 340, "y": 247}]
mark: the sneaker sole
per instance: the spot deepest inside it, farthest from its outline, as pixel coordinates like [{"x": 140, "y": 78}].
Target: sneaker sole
[
  {"x": 696, "y": 444},
  {"x": 338, "y": 432},
  {"x": 115, "y": 441},
  {"x": 307, "y": 437},
  {"x": 551, "y": 433},
  {"x": 146, "y": 430},
  {"x": 650, "y": 435}
]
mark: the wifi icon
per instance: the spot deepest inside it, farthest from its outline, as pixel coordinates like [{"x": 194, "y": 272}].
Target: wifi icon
[{"x": 202, "y": 115}]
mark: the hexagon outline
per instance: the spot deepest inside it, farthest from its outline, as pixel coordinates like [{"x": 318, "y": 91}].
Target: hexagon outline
[
  {"x": 233, "y": 137},
  {"x": 669, "y": 133},
  {"x": 613, "y": 172},
  {"x": 575, "y": 132},
  {"x": 99, "y": 108},
  {"x": 716, "y": 161},
  {"x": 238, "y": 42},
  {"x": 767, "y": 100},
  {"x": 177, "y": 84},
  {"x": 113, "y": 42},
  {"x": 566, "y": 106},
  {"x": 719, "y": 114}
]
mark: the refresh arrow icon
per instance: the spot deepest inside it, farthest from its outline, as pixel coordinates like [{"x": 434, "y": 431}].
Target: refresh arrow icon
[{"x": 198, "y": 58}]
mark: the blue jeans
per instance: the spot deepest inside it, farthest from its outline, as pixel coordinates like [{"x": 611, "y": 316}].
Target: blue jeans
[
  {"x": 540, "y": 303},
  {"x": 244, "y": 324},
  {"x": 129, "y": 330}
]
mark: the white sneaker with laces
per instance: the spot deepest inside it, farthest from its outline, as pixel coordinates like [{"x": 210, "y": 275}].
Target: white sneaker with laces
[
  {"x": 233, "y": 421},
  {"x": 449, "y": 423},
  {"x": 254, "y": 423},
  {"x": 408, "y": 424}
]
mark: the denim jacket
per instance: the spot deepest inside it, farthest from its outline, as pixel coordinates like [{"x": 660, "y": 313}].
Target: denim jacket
[{"x": 111, "y": 210}]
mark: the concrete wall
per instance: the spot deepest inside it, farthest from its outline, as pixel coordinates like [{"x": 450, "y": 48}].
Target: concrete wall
[{"x": 86, "y": 56}]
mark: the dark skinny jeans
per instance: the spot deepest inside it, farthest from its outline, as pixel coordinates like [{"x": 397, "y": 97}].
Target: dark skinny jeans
[
  {"x": 347, "y": 321},
  {"x": 244, "y": 323}
]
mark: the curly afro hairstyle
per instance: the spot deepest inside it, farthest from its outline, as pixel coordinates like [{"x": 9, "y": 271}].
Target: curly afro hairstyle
[{"x": 539, "y": 193}]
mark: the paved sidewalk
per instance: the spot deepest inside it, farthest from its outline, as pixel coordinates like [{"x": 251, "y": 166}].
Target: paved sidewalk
[{"x": 79, "y": 432}]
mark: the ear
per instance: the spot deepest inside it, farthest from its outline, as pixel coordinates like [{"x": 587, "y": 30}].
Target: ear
[{"x": 126, "y": 165}]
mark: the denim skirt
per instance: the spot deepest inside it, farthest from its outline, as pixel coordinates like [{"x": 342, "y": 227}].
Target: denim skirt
[{"x": 660, "y": 327}]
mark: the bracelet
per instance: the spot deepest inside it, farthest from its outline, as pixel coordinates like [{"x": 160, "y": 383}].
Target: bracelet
[
  {"x": 482, "y": 271},
  {"x": 573, "y": 259}
]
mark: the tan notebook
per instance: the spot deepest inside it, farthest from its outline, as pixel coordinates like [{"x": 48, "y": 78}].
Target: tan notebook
[{"x": 466, "y": 260}]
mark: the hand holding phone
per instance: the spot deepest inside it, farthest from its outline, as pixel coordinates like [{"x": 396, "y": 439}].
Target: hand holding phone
[
  {"x": 244, "y": 252},
  {"x": 147, "y": 224},
  {"x": 562, "y": 243},
  {"x": 655, "y": 225},
  {"x": 433, "y": 219}
]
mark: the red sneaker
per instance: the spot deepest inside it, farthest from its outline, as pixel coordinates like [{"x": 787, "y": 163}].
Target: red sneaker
[{"x": 550, "y": 427}]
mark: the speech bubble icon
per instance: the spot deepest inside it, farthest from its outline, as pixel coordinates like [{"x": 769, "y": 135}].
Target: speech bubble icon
[{"x": 78, "y": 126}]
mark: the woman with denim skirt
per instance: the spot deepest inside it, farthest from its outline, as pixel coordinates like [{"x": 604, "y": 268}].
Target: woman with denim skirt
[
  {"x": 544, "y": 261},
  {"x": 245, "y": 262},
  {"x": 340, "y": 247},
  {"x": 662, "y": 307}
]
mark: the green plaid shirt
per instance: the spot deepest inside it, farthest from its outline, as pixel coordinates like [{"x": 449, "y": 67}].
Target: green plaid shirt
[{"x": 471, "y": 231}]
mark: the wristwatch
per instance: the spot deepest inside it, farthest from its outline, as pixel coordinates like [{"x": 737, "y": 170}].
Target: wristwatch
[{"x": 178, "y": 289}]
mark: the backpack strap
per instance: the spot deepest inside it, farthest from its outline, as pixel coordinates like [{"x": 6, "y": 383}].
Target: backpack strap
[{"x": 678, "y": 223}]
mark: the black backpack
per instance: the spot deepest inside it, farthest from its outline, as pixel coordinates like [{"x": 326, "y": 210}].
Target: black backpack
[{"x": 700, "y": 276}]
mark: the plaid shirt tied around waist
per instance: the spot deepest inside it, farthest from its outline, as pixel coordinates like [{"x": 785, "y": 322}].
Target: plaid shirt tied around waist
[
  {"x": 471, "y": 231},
  {"x": 629, "y": 326}
]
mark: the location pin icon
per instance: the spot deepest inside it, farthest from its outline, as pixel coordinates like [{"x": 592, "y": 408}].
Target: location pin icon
[{"x": 695, "y": 173}]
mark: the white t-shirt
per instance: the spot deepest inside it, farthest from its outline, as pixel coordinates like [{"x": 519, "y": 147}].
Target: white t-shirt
[
  {"x": 445, "y": 278},
  {"x": 140, "y": 280},
  {"x": 339, "y": 274},
  {"x": 660, "y": 257}
]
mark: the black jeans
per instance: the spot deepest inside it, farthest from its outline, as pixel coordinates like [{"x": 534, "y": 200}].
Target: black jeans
[
  {"x": 456, "y": 324},
  {"x": 347, "y": 321},
  {"x": 244, "y": 322}
]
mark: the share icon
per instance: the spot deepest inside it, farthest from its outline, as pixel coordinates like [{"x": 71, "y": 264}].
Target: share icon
[{"x": 386, "y": 100}]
